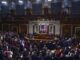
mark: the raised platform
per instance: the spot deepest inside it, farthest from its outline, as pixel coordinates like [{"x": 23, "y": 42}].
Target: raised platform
[{"x": 43, "y": 37}]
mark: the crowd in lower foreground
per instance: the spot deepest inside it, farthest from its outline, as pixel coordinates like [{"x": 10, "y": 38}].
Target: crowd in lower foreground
[{"x": 16, "y": 47}]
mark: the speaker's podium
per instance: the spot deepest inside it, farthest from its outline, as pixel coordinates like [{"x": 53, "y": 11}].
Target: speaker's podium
[{"x": 43, "y": 37}]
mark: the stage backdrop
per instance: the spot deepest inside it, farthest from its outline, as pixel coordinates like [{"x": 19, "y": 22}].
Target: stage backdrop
[{"x": 44, "y": 27}]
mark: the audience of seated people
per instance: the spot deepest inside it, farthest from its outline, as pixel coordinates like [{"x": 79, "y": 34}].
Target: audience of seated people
[{"x": 15, "y": 46}]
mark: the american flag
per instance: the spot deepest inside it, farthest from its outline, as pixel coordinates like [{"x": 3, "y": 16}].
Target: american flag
[{"x": 43, "y": 29}]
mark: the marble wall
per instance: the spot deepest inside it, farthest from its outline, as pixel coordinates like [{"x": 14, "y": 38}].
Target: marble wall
[{"x": 53, "y": 26}]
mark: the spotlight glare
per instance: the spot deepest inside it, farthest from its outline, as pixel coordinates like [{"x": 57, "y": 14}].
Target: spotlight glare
[
  {"x": 49, "y": 0},
  {"x": 4, "y": 2},
  {"x": 20, "y": 2}
]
